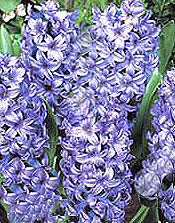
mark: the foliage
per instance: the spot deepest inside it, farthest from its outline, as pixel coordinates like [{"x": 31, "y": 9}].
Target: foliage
[
  {"x": 8, "y": 5},
  {"x": 5, "y": 41},
  {"x": 162, "y": 10},
  {"x": 52, "y": 133}
]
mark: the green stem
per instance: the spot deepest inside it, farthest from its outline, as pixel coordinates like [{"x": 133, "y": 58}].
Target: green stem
[{"x": 140, "y": 215}]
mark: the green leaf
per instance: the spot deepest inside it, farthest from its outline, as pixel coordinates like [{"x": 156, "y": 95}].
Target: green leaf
[
  {"x": 5, "y": 41},
  {"x": 15, "y": 44},
  {"x": 56, "y": 206},
  {"x": 66, "y": 218},
  {"x": 18, "y": 22},
  {"x": 140, "y": 215},
  {"x": 64, "y": 221},
  {"x": 1, "y": 177},
  {"x": 103, "y": 4},
  {"x": 9, "y": 5},
  {"x": 152, "y": 215},
  {"x": 5, "y": 206},
  {"x": 12, "y": 29},
  {"x": 141, "y": 125},
  {"x": 166, "y": 44},
  {"x": 81, "y": 15},
  {"x": 16, "y": 48},
  {"x": 51, "y": 126}
]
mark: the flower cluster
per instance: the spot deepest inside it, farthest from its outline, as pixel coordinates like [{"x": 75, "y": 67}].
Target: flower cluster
[
  {"x": 48, "y": 52},
  {"x": 91, "y": 78},
  {"x": 33, "y": 190},
  {"x": 158, "y": 169},
  {"x": 110, "y": 72},
  {"x": 49, "y": 49},
  {"x": 23, "y": 142},
  {"x": 95, "y": 160},
  {"x": 119, "y": 51},
  {"x": 21, "y": 132}
]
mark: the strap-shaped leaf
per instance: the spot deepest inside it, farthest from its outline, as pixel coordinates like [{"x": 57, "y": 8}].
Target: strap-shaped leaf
[
  {"x": 152, "y": 215},
  {"x": 5, "y": 41},
  {"x": 141, "y": 126},
  {"x": 5, "y": 206},
  {"x": 52, "y": 129},
  {"x": 140, "y": 215},
  {"x": 15, "y": 44},
  {"x": 9, "y": 5},
  {"x": 56, "y": 206},
  {"x": 166, "y": 45}
]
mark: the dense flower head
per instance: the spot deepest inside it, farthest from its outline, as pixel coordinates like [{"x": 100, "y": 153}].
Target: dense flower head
[
  {"x": 30, "y": 188},
  {"x": 96, "y": 154},
  {"x": 155, "y": 168},
  {"x": 158, "y": 168},
  {"x": 90, "y": 84},
  {"x": 22, "y": 130},
  {"x": 50, "y": 48},
  {"x": 28, "y": 183},
  {"x": 119, "y": 51},
  {"x": 111, "y": 71},
  {"x": 95, "y": 166}
]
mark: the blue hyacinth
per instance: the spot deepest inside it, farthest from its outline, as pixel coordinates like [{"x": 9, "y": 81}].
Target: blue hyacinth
[
  {"x": 90, "y": 77},
  {"x": 158, "y": 169}
]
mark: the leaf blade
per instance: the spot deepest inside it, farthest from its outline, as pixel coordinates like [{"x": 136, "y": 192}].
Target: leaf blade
[
  {"x": 166, "y": 45},
  {"x": 9, "y": 5},
  {"x": 51, "y": 126},
  {"x": 140, "y": 215},
  {"x": 140, "y": 127},
  {"x": 16, "y": 44},
  {"x": 5, "y": 41}
]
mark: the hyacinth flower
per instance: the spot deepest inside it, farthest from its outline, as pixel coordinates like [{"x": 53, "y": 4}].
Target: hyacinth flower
[
  {"x": 22, "y": 133},
  {"x": 96, "y": 149},
  {"x": 158, "y": 168},
  {"x": 49, "y": 49},
  {"x": 99, "y": 106},
  {"x": 23, "y": 113},
  {"x": 32, "y": 194},
  {"x": 29, "y": 186},
  {"x": 95, "y": 160},
  {"x": 155, "y": 168},
  {"x": 119, "y": 51},
  {"x": 90, "y": 94}
]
